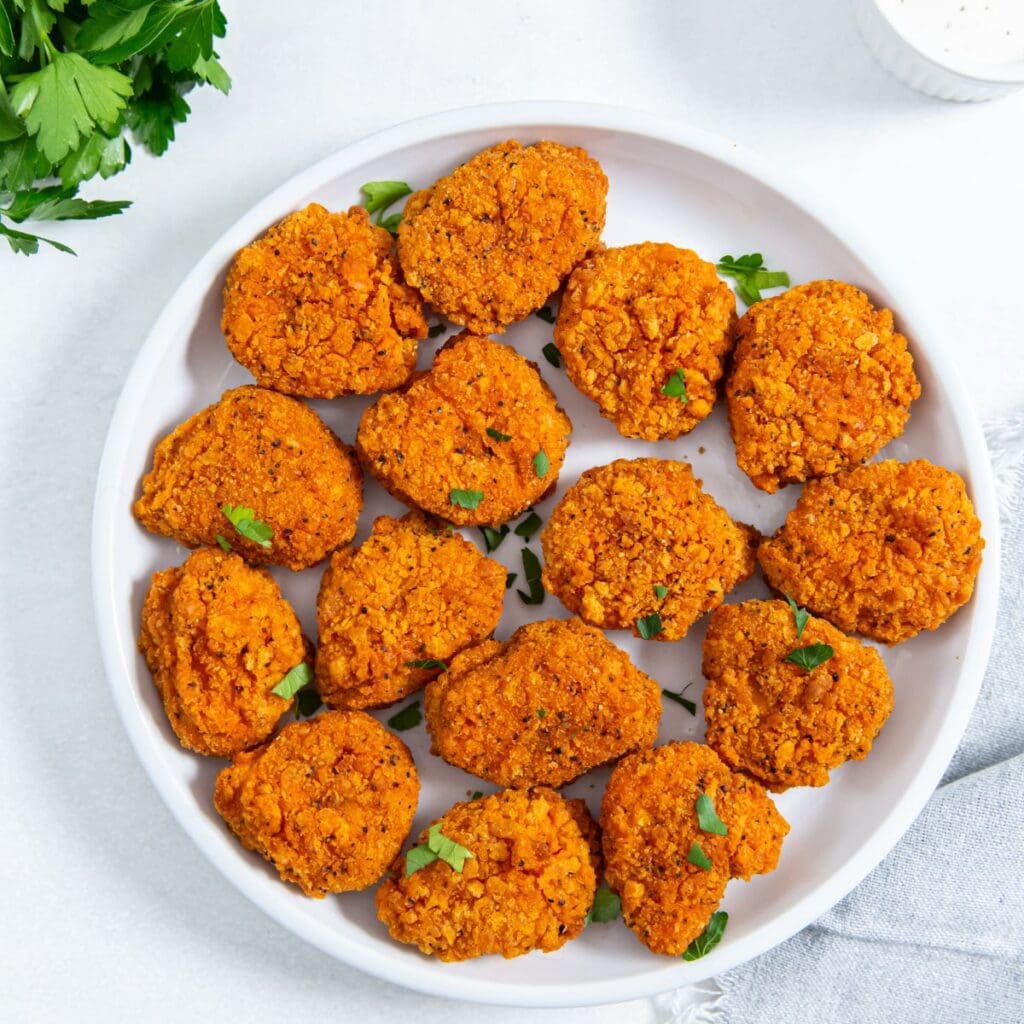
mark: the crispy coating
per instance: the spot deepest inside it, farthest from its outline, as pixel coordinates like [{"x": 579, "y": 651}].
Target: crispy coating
[
  {"x": 317, "y": 307},
  {"x": 781, "y": 724},
  {"x": 623, "y": 529},
  {"x": 886, "y": 550},
  {"x": 820, "y": 380},
  {"x": 554, "y": 701},
  {"x": 649, "y": 823},
  {"x": 529, "y": 884},
  {"x": 630, "y": 318},
  {"x": 264, "y": 451},
  {"x": 218, "y": 637},
  {"x": 328, "y": 802},
  {"x": 431, "y": 438},
  {"x": 488, "y": 243},
  {"x": 411, "y": 592}
]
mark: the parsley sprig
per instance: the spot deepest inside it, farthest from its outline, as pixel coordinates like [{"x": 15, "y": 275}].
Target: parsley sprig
[
  {"x": 750, "y": 276},
  {"x": 709, "y": 938},
  {"x": 244, "y": 520},
  {"x": 379, "y": 196},
  {"x": 437, "y": 847},
  {"x": 294, "y": 680}
]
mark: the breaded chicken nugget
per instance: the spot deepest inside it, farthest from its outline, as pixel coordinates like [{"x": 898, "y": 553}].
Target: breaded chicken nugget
[
  {"x": 477, "y": 438},
  {"x": 554, "y": 701},
  {"x": 780, "y": 723},
  {"x": 487, "y": 244},
  {"x": 328, "y": 802},
  {"x": 528, "y": 885},
  {"x": 639, "y": 539},
  {"x": 261, "y": 451},
  {"x": 820, "y": 380},
  {"x": 218, "y": 637},
  {"x": 644, "y": 331},
  {"x": 653, "y": 841},
  {"x": 413, "y": 591},
  {"x": 886, "y": 550},
  {"x": 317, "y": 307}
]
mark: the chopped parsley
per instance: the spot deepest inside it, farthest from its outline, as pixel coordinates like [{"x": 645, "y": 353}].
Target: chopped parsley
[
  {"x": 294, "y": 680},
  {"x": 707, "y": 819},
  {"x": 244, "y": 520},
  {"x": 476, "y": 795},
  {"x": 428, "y": 663},
  {"x": 649, "y": 625},
  {"x": 545, "y": 314},
  {"x": 493, "y": 537},
  {"x": 709, "y": 938},
  {"x": 437, "y": 847},
  {"x": 408, "y": 718},
  {"x": 307, "y": 703},
  {"x": 466, "y": 499},
  {"x": 436, "y": 330},
  {"x": 751, "y": 276},
  {"x": 541, "y": 463},
  {"x": 541, "y": 713},
  {"x": 661, "y": 592},
  {"x": 607, "y": 906},
  {"x": 498, "y": 435},
  {"x": 800, "y": 616},
  {"x": 690, "y": 705},
  {"x": 810, "y": 657},
  {"x": 510, "y": 578},
  {"x": 382, "y": 194},
  {"x": 698, "y": 857},
  {"x": 552, "y": 355},
  {"x": 529, "y": 526},
  {"x": 675, "y": 386},
  {"x": 531, "y": 573},
  {"x": 223, "y": 542},
  {"x": 390, "y": 223}
]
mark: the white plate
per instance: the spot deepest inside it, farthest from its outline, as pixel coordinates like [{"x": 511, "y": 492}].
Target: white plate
[{"x": 667, "y": 182}]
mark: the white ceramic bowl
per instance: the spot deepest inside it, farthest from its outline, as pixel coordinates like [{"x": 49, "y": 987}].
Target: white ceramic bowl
[
  {"x": 667, "y": 182},
  {"x": 906, "y": 54}
]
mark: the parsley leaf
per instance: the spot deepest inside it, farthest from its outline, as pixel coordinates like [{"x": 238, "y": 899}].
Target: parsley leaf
[
  {"x": 709, "y": 938},
  {"x": 675, "y": 386},
  {"x": 382, "y": 194},
  {"x": 690, "y": 705},
  {"x": 698, "y": 857},
  {"x": 800, "y": 616},
  {"x": 28, "y": 244},
  {"x": 542, "y": 713},
  {"x": 437, "y": 847},
  {"x": 436, "y": 330},
  {"x": 389, "y": 223},
  {"x": 294, "y": 680},
  {"x": 545, "y": 314},
  {"x": 408, "y": 718},
  {"x": 493, "y": 537},
  {"x": 477, "y": 794},
  {"x": 498, "y": 435},
  {"x": 751, "y": 276},
  {"x": 223, "y": 542},
  {"x": 541, "y": 463},
  {"x": 245, "y": 522},
  {"x": 660, "y": 592},
  {"x": 552, "y": 355},
  {"x": 649, "y": 625},
  {"x": 529, "y": 526},
  {"x": 466, "y": 499},
  {"x": 531, "y": 573},
  {"x": 418, "y": 857},
  {"x": 810, "y": 657},
  {"x": 307, "y": 703},
  {"x": 607, "y": 907},
  {"x": 707, "y": 819},
  {"x": 428, "y": 663},
  {"x": 510, "y": 578},
  {"x": 56, "y": 203},
  {"x": 6, "y": 32}
]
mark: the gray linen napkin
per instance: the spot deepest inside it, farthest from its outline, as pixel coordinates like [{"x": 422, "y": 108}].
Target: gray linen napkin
[{"x": 936, "y": 932}]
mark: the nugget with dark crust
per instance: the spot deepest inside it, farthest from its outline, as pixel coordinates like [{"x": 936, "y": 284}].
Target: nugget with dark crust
[
  {"x": 554, "y": 701},
  {"x": 488, "y": 243},
  {"x": 631, "y": 319},
  {"x": 626, "y": 533},
  {"x": 477, "y": 438},
  {"x": 317, "y": 307},
  {"x": 413, "y": 591},
  {"x": 886, "y": 550},
  {"x": 780, "y": 723},
  {"x": 529, "y": 884},
  {"x": 260, "y": 450},
  {"x": 328, "y": 802},
  {"x": 649, "y": 828},
  {"x": 820, "y": 380},
  {"x": 218, "y": 637}
]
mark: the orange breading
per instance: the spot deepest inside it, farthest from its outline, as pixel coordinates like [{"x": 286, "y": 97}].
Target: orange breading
[
  {"x": 529, "y": 884},
  {"x": 623, "y": 529},
  {"x": 488, "y": 243},
  {"x": 629, "y": 319},
  {"x": 820, "y": 380},
  {"x": 554, "y": 701},
  {"x": 411, "y": 592},
  {"x": 778, "y": 722},
  {"x": 317, "y": 307},
  {"x": 886, "y": 550},
  {"x": 264, "y": 451},
  {"x": 218, "y": 637},
  {"x": 649, "y": 825},
  {"x": 431, "y": 438},
  {"x": 328, "y": 802}
]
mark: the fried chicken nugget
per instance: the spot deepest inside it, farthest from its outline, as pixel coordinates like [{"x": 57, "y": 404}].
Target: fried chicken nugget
[
  {"x": 651, "y": 836},
  {"x": 411, "y": 592},
  {"x": 553, "y": 702},
  {"x": 476, "y": 439},
  {"x": 218, "y": 637},
  {"x": 625, "y": 532},
  {"x": 317, "y": 307},
  {"x": 260, "y": 450},
  {"x": 631, "y": 319},
  {"x": 328, "y": 802},
  {"x": 820, "y": 380},
  {"x": 488, "y": 243},
  {"x": 885, "y": 550},
  {"x": 778, "y": 722},
  {"x": 528, "y": 885}
]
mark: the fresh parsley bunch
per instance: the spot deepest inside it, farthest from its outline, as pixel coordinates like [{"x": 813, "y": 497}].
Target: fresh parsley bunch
[{"x": 76, "y": 77}]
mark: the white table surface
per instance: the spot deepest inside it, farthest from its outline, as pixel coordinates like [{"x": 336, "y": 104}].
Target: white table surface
[{"x": 108, "y": 912}]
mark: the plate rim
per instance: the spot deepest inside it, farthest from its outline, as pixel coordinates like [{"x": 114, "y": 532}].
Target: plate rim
[{"x": 429, "y": 976}]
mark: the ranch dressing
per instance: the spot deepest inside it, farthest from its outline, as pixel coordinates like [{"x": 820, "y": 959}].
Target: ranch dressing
[{"x": 968, "y": 35}]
